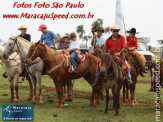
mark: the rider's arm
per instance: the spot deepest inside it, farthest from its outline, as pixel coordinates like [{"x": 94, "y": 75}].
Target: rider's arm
[{"x": 93, "y": 43}]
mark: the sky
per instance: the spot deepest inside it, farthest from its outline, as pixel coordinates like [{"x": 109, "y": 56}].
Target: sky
[{"x": 144, "y": 15}]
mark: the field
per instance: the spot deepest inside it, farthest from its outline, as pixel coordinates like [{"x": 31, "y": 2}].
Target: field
[{"x": 79, "y": 109}]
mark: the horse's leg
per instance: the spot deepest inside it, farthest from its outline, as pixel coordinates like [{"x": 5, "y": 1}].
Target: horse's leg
[
  {"x": 100, "y": 90},
  {"x": 127, "y": 93},
  {"x": 60, "y": 91},
  {"x": 107, "y": 100},
  {"x": 31, "y": 90},
  {"x": 11, "y": 88},
  {"x": 116, "y": 102},
  {"x": 16, "y": 88},
  {"x": 38, "y": 77},
  {"x": 132, "y": 90},
  {"x": 89, "y": 79},
  {"x": 124, "y": 100},
  {"x": 69, "y": 90},
  {"x": 113, "y": 92},
  {"x": 34, "y": 85}
]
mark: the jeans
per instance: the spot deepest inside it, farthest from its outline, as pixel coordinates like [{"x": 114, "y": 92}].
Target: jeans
[
  {"x": 128, "y": 72},
  {"x": 72, "y": 58}
]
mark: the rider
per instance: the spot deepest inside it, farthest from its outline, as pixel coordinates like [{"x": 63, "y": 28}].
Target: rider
[
  {"x": 73, "y": 49},
  {"x": 65, "y": 41},
  {"x": 132, "y": 44},
  {"x": 98, "y": 40},
  {"x": 23, "y": 29},
  {"x": 48, "y": 37},
  {"x": 116, "y": 42}
]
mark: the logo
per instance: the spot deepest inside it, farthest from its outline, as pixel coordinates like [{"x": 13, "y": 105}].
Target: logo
[{"x": 17, "y": 112}]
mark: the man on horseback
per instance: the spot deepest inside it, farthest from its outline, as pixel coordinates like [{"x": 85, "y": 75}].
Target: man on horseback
[
  {"x": 23, "y": 29},
  {"x": 132, "y": 44},
  {"x": 48, "y": 37},
  {"x": 116, "y": 43},
  {"x": 73, "y": 49},
  {"x": 98, "y": 40}
]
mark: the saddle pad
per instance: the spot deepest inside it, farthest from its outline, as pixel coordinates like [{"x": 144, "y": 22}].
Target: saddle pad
[{"x": 82, "y": 57}]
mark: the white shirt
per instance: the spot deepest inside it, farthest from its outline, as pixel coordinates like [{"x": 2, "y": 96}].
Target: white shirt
[
  {"x": 100, "y": 41},
  {"x": 74, "y": 44}
]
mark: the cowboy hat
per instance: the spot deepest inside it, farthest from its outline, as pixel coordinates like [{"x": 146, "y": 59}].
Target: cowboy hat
[
  {"x": 22, "y": 27},
  {"x": 133, "y": 30},
  {"x": 65, "y": 37},
  {"x": 114, "y": 27},
  {"x": 99, "y": 29}
]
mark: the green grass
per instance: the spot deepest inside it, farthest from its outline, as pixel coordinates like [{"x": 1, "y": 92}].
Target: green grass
[{"x": 79, "y": 110}]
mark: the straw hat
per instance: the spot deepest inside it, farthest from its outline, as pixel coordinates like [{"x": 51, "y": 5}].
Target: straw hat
[
  {"x": 114, "y": 27},
  {"x": 22, "y": 27},
  {"x": 99, "y": 29},
  {"x": 65, "y": 37}
]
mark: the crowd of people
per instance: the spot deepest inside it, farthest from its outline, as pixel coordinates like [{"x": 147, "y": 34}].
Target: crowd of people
[{"x": 115, "y": 42}]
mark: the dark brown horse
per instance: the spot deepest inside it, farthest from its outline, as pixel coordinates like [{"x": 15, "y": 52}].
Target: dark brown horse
[
  {"x": 133, "y": 65},
  {"x": 113, "y": 78},
  {"x": 58, "y": 70}
]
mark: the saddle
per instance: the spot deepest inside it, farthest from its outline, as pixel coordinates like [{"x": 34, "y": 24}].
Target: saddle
[{"x": 79, "y": 58}]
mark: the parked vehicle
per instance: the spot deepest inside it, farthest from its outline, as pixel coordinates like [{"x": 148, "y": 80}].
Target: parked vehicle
[{"x": 150, "y": 57}]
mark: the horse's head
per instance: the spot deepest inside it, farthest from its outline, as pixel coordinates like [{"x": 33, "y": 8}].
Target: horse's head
[
  {"x": 106, "y": 61},
  {"x": 98, "y": 51},
  {"x": 11, "y": 47},
  {"x": 36, "y": 49}
]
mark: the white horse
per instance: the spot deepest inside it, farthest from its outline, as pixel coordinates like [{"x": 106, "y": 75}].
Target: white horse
[
  {"x": 13, "y": 69},
  {"x": 18, "y": 44}
]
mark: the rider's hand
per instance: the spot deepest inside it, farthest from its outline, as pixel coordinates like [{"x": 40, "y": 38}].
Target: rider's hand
[
  {"x": 94, "y": 35},
  {"x": 51, "y": 46}
]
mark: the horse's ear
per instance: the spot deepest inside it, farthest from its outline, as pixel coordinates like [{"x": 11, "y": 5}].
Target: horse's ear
[{"x": 37, "y": 43}]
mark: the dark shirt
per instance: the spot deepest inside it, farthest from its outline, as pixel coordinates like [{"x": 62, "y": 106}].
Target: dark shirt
[
  {"x": 26, "y": 36},
  {"x": 162, "y": 54}
]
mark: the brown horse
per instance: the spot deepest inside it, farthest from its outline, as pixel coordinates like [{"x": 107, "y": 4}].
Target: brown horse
[
  {"x": 133, "y": 65},
  {"x": 114, "y": 78},
  {"x": 58, "y": 70}
]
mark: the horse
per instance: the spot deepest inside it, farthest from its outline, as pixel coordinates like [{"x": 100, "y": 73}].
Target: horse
[
  {"x": 133, "y": 65},
  {"x": 13, "y": 69},
  {"x": 113, "y": 78},
  {"x": 18, "y": 44},
  {"x": 58, "y": 69}
]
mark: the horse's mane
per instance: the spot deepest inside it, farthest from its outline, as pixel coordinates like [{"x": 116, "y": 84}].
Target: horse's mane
[
  {"x": 24, "y": 40},
  {"x": 14, "y": 37}
]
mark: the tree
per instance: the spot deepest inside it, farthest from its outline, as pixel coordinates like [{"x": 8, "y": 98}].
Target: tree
[
  {"x": 107, "y": 30},
  {"x": 80, "y": 30},
  {"x": 86, "y": 39},
  {"x": 97, "y": 23},
  {"x": 144, "y": 40},
  {"x": 67, "y": 34}
]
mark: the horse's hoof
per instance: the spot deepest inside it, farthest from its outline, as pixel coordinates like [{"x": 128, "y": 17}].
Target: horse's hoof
[
  {"x": 116, "y": 115},
  {"x": 105, "y": 113},
  {"x": 16, "y": 100},
  {"x": 133, "y": 106},
  {"x": 97, "y": 103},
  {"x": 11, "y": 100},
  {"x": 123, "y": 104},
  {"x": 135, "y": 102},
  {"x": 94, "y": 105},
  {"x": 29, "y": 98},
  {"x": 33, "y": 102},
  {"x": 60, "y": 106},
  {"x": 127, "y": 100},
  {"x": 68, "y": 100},
  {"x": 40, "y": 103}
]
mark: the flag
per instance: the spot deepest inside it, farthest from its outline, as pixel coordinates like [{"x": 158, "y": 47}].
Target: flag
[{"x": 119, "y": 18}]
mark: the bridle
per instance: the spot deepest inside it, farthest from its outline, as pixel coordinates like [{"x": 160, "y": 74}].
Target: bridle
[{"x": 107, "y": 67}]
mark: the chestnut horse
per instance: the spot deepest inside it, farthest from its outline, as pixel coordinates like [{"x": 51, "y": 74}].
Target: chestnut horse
[
  {"x": 133, "y": 65},
  {"x": 58, "y": 70}
]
